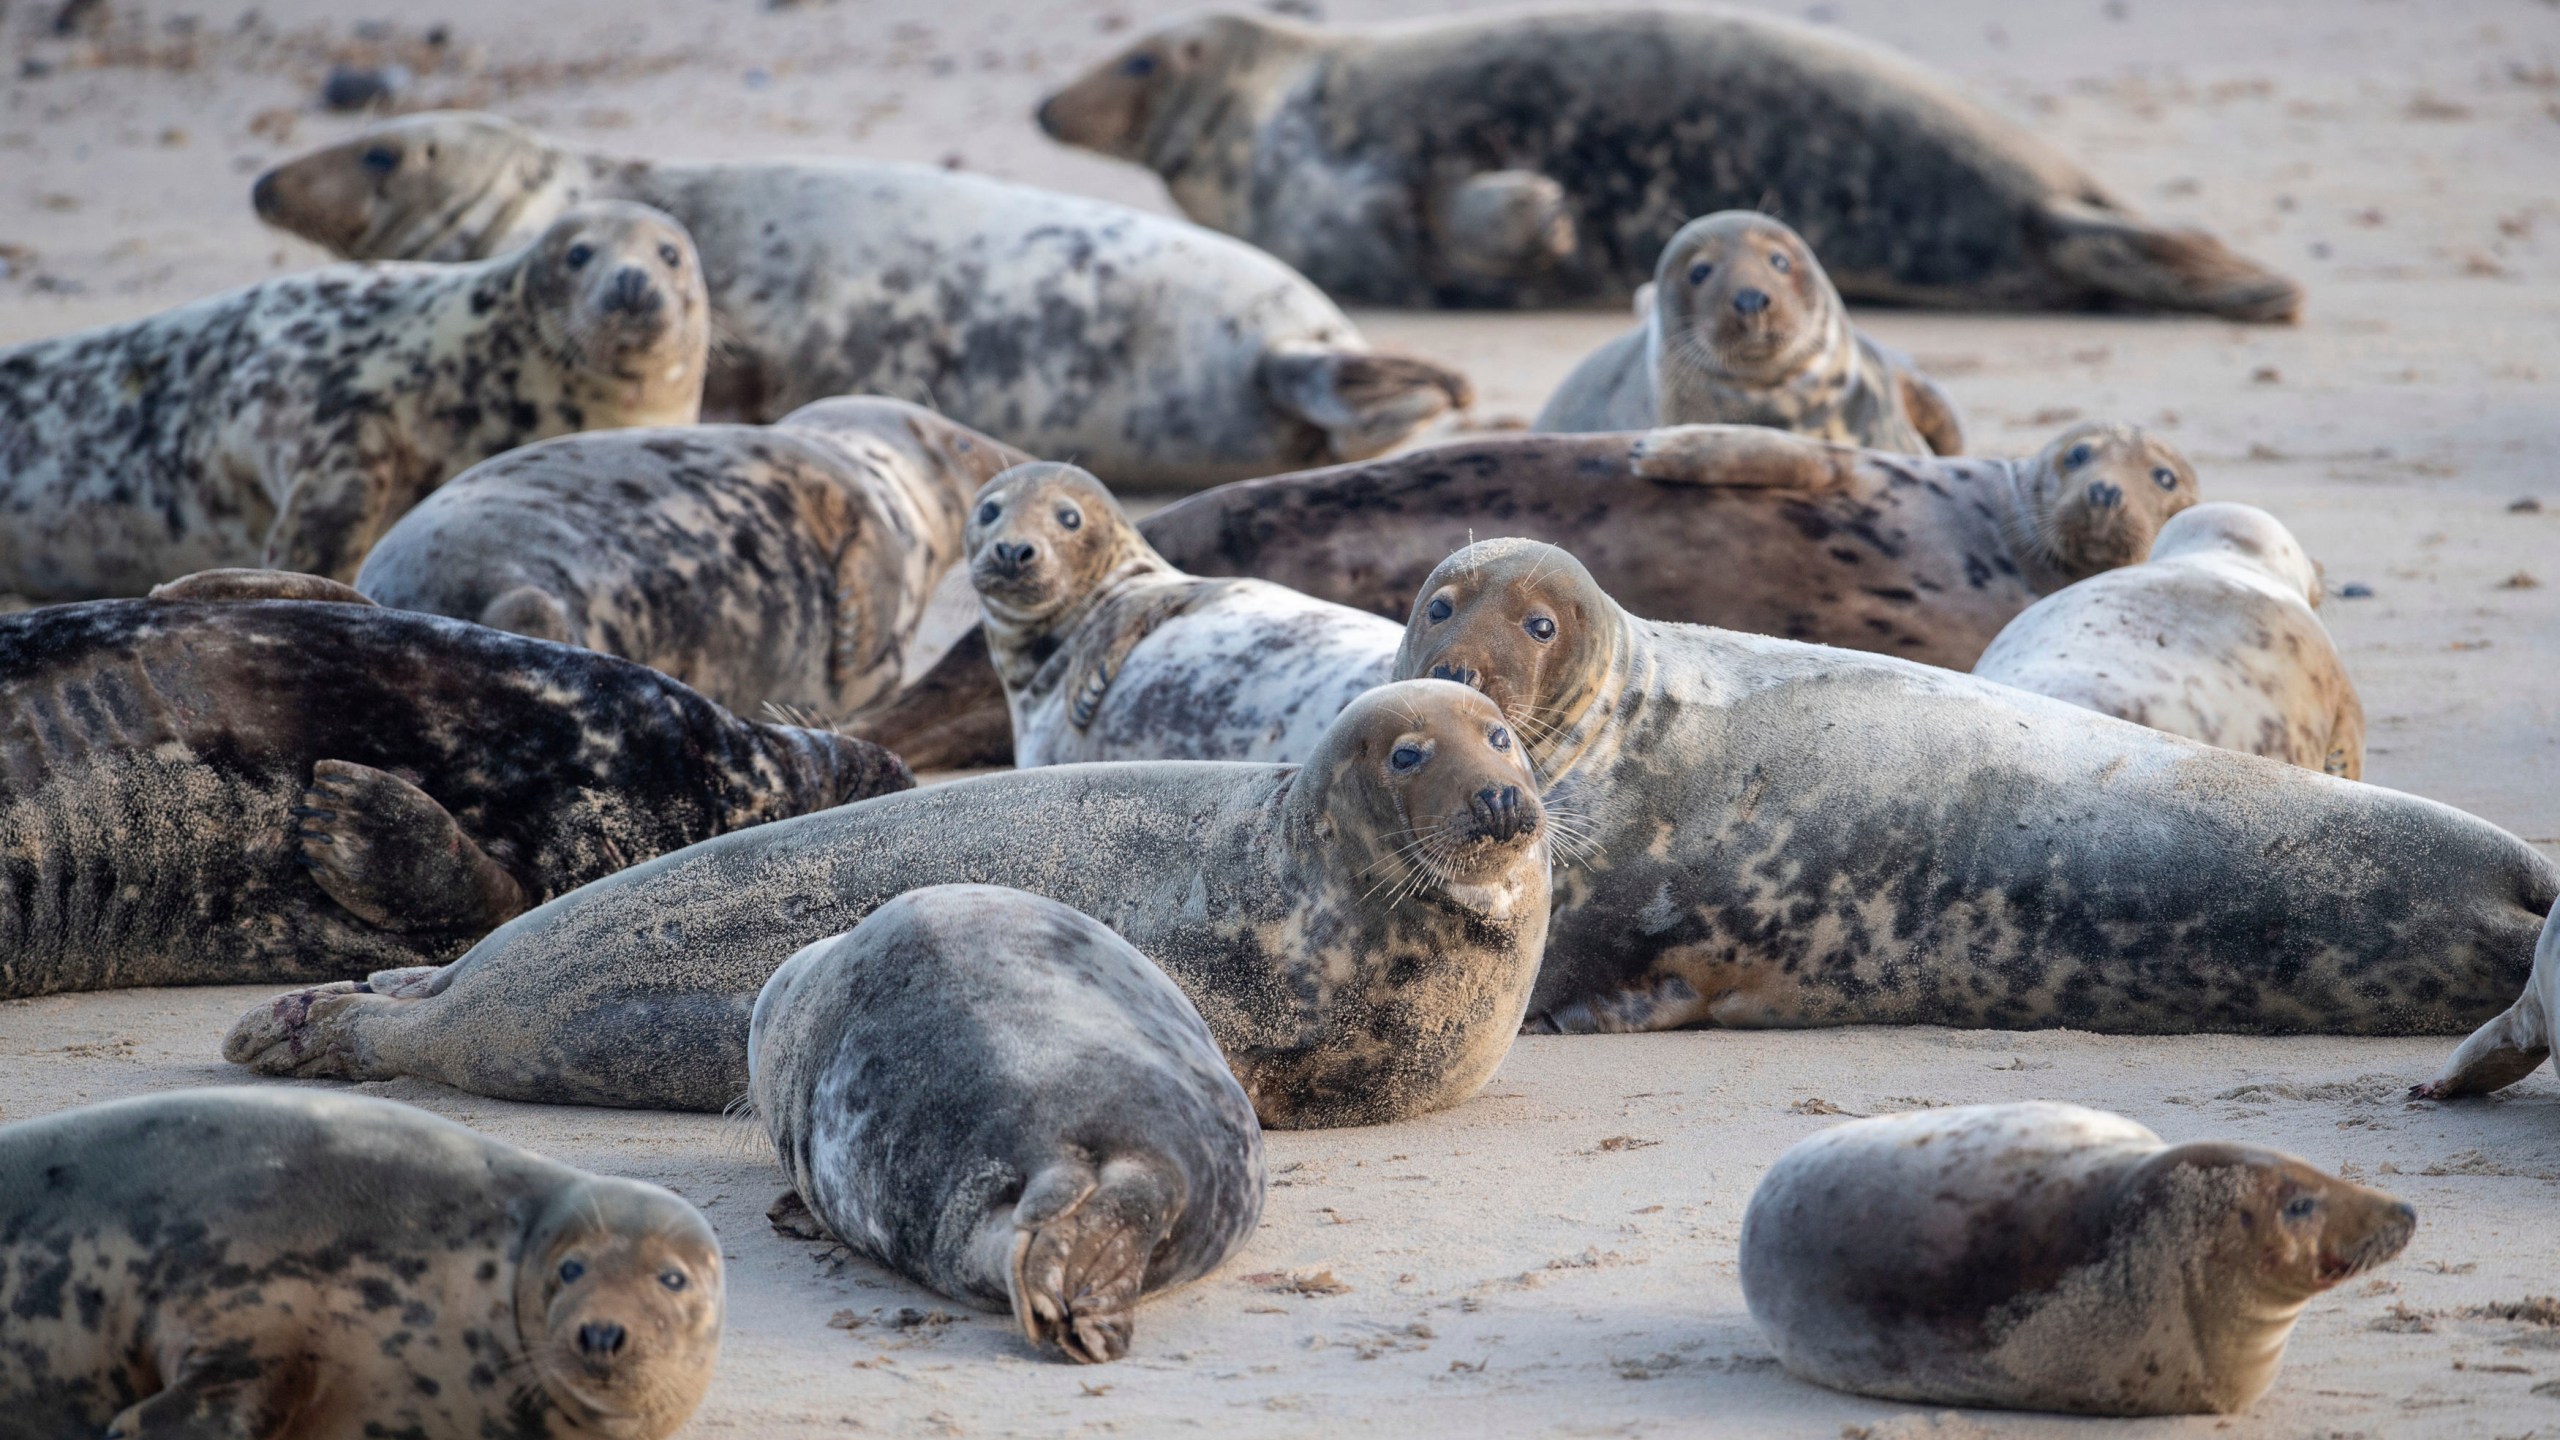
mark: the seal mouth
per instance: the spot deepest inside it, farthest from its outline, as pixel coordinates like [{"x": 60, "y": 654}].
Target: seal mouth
[
  {"x": 2387, "y": 1239},
  {"x": 1012, "y": 575}
]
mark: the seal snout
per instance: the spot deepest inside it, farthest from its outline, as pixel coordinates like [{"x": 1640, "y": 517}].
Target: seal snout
[
  {"x": 2104, "y": 495},
  {"x": 2389, "y": 1224},
  {"x": 267, "y": 197},
  {"x": 601, "y": 1338},
  {"x": 1500, "y": 815},
  {"x": 1750, "y": 301},
  {"x": 1461, "y": 674},
  {"x": 631, "y": 292}
]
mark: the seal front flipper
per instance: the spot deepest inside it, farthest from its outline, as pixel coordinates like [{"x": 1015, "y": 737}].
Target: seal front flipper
[
  {"x": 1081, "y": 1243},
  {"x": 533, "y": 612},
  {"x": 1505, "y": 224},
  {"x": 249, "y": 584},
  {"x": 1931, "y": 410},
  {"x": 385, "y": 850},
  {"x": 226, "y": 1392},
  {"x": 2155, "y": 267},
  {"x": 1752, "y": 457},
  {"x": 1364, "y": 402}
]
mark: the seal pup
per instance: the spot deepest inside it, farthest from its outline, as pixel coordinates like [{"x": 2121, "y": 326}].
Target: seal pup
[
  {"x": 1542, "y": 159},
  {"x": 1152, "y": 351},
  {"x": 272, "y": 1262},
  {"x": 1781, "y": 834},
  {"x": 782, "y": 566},
  {"x": 995, "y": 1096},
  {"x": 2045, "y": 1257},
  {"x": 2508, "y": 1048},
  {"x": 2216, "y": 637},
  {"x": 1739, "y": 526},
  {"x": 1742, "y": 327},
  {"x": 1359, "y": 933},
  {"x": 289, "y": 422},
  {"x": 1106, "y": 652},
  {"x": 215, "y": 791}
]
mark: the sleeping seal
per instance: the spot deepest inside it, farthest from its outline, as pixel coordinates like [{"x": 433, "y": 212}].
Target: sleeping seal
[
  {"x": 208, "y": 792},
  {"x": 1108, "y": 653},
  {"x": 2046, "y": 1257},
  {"x": 2215, "y": 637},
  {"x": 1360, "y": 934},
  {"x": 1784, "y": 834},
  {"x": 1154, "y": 352},
  {"x": 289, "y": 422},
  {"x": 1738, "y": 526},
  {"x": 275, "y": 1262},
  {"x": 1540, "y": 159},
  {"x": 1742, "y": 327},
  {"x": 1000, "y": 1099},
  {"x": 782, "y": 566},
  {"x": 2508, "y": 1048}
]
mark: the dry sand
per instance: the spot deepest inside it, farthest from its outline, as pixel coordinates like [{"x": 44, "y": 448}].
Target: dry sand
[{"x": 1556, "y": 1256}]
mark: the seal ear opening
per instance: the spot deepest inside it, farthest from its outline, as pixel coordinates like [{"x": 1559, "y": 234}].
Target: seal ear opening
[
  {"x": 1080, "y": 1251},
  {"x": 2155, "y": 267},
  {"x": 214, "y": 586},
  {"x": 1364, "y": 402}
]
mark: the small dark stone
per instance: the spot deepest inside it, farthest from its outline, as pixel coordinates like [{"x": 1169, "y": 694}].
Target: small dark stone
[
  {"x": 360, "y": 87},
  {"x": 32, "y": 68},
  {"x": 2357, "y": 591},
  {"x": 439, "y": 35},
  {"x": 2526, "y": 506}
]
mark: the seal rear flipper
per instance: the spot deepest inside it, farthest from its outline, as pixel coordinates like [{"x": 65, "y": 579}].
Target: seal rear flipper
[
  {"x": 1505, "y": 224},
  {"x": 385, "y": 850},
  {"x": 1364, "y": 402},
  {"x": 2156, "y": 267},
  {"x": 533, "y": 612},
  {"x": 953, "y": 717},
  {"x": 1742, "y": 456},
  {"x": 1080, "y": 1250},
  {"x": 314, "y": 1033},
  {"x": 2496, "y": 1056},
  {"x": 253, "y": 584},
  {"x": 1931, "y": 411}
]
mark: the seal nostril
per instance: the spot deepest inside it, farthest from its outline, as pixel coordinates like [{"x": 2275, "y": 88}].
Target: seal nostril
[
  {"x": 600, "y": 1337},
  {"x": 631, "y": 290},
  {"x": 2106, "y": 496},
  {"x": 1751, "y": 302}
]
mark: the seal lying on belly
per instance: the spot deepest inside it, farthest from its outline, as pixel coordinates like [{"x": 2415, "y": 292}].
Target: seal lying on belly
[
  {"x": 1360, "y": 933},
  {"x": 288, "y": 423},
  {"x": 2216, "y": 637},
  {"x": 786, "y": 565},
  {"x": 212, "y": 793},
  {"x": 1151, "y": 351},
  {"x": 1741, "y": 327},
  {"x": 1531, "y": 160},
  {"x": 1784, "y": 834},
  {"x": 1108, "y": 653},
  {"x": 1000, "y": 1099},
  {"x": 2046, "y": 1257},
  {"x": 272, "y": 1262},
  {"x": 1729, "y": 525}
]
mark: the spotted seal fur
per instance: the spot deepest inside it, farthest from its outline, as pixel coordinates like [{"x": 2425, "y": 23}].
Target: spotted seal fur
[{"x": 289, "y": 422}]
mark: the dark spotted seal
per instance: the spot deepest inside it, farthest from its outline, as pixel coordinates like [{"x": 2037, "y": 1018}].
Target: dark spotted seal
[
  {"x": 2046, "y": 1257},
  {"x": 1359, "y": 933},
  {"x": 202, "y": 793},
  {"x": 277, "y": 1262},
  {"x": 785, "y": 565},
  {"x": 1528, "y": 160},
  {"x": 1726, "y": 525},
  {"x": 2215, "y": 637},
  {"x": 1781, "y": 834},
  {"x": 1106, "y": 652},
  {"x": 2508, "y": 1048},
  {"x": 290, "y": 422},
  {"x": 1153, "y": 352},
  {"x": 1002, "y": 1100},
  {"x": 1741, "y": 327}
]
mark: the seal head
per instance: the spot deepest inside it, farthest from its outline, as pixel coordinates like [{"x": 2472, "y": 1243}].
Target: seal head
[
  {"x": 1043, "y": 537},
  {"x": 1740, "y": 297},
  {"x": 442, "y": 185},
  {"x": 614, "y": 289},
  {"x": 1153, "y": 100},
  {"x": 618, "y": 1306},
  {"x": 1527, "y": 626},
  {"x": 2242, "y": 538},
  {"x": 2093, "y": 500}
]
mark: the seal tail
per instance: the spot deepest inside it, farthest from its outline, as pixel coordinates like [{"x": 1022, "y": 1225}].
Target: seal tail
[
  {"x": 2157, "y": 267},
  {"x": 535, "y": 613},
  {"x": 1364, "y": 402},
  {"x": 2508, "y": 1048},
  {"x": 1081, "y": 1245}
]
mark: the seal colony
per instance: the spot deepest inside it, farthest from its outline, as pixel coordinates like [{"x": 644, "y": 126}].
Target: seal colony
[
  {"x": 1152, "y": 351},
  {"x": 2046, "y": 1257},
  {"x": 1543, "y": 159},
  {"x": 282, "y": 1262},
  {"x": 1106, "y": 652},
  {"x": 1787, "y": 835},
  {"x": 1359, "y": 933},
  {"x": 289, "y": 422},
  {"x": 1000, "y": 1099},
  {"x": 785, "y": 565},
  {"x": 198, "y": 793}
]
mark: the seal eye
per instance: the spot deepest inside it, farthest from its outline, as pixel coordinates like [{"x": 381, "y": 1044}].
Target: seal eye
[
  {"x": 570, "y": 1270},
  {"x": 1780, "y": 263},
  {"x": 1406, "y": 757},
  {"x": 1498, "y": 738},
  {"x": 2165, "y": 478},
  {"x": 579, "y": 255},
  {"x": 2077, "y": 456},
  {"x": 1139, "y": 66},
  {"x": 1439, "y": 609},
  {"x": 672, "y": 1279},
  {"x": 1070, "y": 517},
  {"x": 987, "y": 513},
  {"x": 2301, "y": 1207},
  {"x": 382, "y": 159},
  {"x": 670, "y": 254},
  {"x": 1699, "y": 272},
  {"x": 1540, "y": 628}
]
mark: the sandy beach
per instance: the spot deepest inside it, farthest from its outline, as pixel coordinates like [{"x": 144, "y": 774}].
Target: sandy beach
[{"x": 1557, "y": 1255}]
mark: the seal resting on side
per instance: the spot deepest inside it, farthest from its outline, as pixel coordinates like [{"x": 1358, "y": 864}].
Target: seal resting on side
[
  {"x": 219, "y": 790},
  {"x": 1742, "y": 327},
  {"x": 2508, "y": 1048},
  {"x": 1000, "y": 1099},
  {"x": 1155, "y": 352},
  {"x": 1106, "y": 652},
  {"x": 274, "y": 1262},
  {"x": 1359, "y": 933},
  {"x": 782, "y": 566},
  {"x": 2216, "y": 637},
  {"x": 1781, "y": 834},
  {"x": 289, "y": 422},
  {"x": 1731, "y": 525},
  {"x": 1528, "y": 160},
  {"x": 2046, "y": 1257}
]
